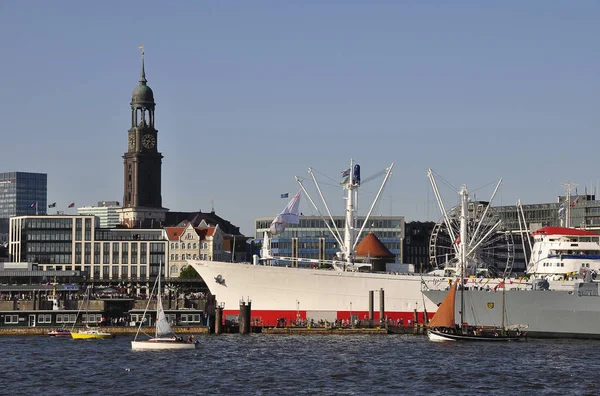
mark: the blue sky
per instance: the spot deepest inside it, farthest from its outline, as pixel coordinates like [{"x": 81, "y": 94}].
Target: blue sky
[{"x": 251, "y": 93}]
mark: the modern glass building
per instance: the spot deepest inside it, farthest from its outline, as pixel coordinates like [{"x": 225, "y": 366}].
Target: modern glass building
[
  {"x": 22, "y": 193},
  {"x": 75, "y": 243},
  {"x": 312, "y": 239}
]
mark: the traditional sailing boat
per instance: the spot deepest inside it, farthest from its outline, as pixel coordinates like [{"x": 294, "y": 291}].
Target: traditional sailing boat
[
  {"x": 164, "y": 337},
  {"x": 442, "y": 326},
  {"x": 89, "y": 332}
]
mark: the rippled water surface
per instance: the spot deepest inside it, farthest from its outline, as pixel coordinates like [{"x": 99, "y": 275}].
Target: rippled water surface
[{"x": 261, "y": 364}]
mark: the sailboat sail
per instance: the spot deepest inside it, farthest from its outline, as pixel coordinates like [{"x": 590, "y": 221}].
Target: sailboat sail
[
  {"x": 289, "y": 215},
  {"x": 162, "y": 324},
  {"x": 444, "y": 316}
]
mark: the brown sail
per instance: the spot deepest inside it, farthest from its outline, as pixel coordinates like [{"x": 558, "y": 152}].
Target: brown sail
[{"x": 444, "y": 317}]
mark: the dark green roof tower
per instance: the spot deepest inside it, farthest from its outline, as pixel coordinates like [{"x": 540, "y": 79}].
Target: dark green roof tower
[{"x": 142, "y": 199}]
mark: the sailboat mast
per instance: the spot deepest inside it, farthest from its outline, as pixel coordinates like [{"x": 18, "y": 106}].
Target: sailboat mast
[
  {"x": 464, "y": 212},
  {"x": 158, "y": 301},
  {"x": 503, "y": 302}
]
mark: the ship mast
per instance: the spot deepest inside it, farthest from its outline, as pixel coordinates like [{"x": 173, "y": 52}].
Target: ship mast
[
  {"x": 349, "y": 235},
  {"x": 351, "y": 183},
  {"x": 464, "y": 212},
  {"x": 503, "y": 302}
]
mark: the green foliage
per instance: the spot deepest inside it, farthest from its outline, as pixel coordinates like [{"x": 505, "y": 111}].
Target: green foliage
[{"x": 188, "y": 272}]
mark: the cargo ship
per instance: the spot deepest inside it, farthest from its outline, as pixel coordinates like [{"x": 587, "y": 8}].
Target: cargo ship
[{"x": 346, "y": 290}]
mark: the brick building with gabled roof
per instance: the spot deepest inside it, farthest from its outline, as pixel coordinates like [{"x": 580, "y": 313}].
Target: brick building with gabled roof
[{"x": 194, "y": 243}]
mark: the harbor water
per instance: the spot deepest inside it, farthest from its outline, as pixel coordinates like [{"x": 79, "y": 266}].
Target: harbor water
[{"x": 259, "y": 364}]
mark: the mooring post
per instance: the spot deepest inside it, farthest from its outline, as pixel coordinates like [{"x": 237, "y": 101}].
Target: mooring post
[
  {"x": 371, "y": 294},
  {"x": 218, "y": 320},
  {"x": 244, "y": 318},
  {"x": 381, "y": 306}
]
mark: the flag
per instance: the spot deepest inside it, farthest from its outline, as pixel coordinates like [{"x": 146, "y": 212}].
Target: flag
[
  {"x": 345, "y": 172},
  {"x": 499, "y": 286},
  {"x": 286, "y": 195},
  {"x": 345, "y": 180},
  {"x": 457, "y": 241},
  {"x": 561, "y": 211},
  {"x": 52, "y": 205},
  {"x": 575, "y": 201},
  {"x": 72, "y": 205},
  {"x": 32, "y": 205}
]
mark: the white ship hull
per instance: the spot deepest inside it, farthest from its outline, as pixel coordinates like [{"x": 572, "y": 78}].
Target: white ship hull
[{"x": 305, "y": 294}]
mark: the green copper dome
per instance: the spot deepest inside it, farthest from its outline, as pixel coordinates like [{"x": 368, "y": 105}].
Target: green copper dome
[{"x": 142, "y": 94}]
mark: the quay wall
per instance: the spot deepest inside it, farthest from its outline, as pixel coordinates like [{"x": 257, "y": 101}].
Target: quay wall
[
  {"x": 115, "y": 330},
  {"x": 320, "y": 330}
]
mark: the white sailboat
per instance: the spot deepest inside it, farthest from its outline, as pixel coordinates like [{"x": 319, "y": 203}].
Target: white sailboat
[{"x": 164, "y": 336}]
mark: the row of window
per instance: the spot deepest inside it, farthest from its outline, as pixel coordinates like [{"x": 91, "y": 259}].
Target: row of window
[
  {"x": 49, "y": 236},
  {"x": 190, "y": 256},
  {"x": 175, "y": 245},
  {"x": 172, "y": 318},
  {"x": 48, "y": 223},
  {"x": 66, "y": 318},
  {"x": 340, "y": 223}
]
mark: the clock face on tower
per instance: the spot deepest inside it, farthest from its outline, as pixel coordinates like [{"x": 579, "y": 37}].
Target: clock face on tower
[
  {"x": 131, "y": 142},
  {"x": 148, "y": 141}
]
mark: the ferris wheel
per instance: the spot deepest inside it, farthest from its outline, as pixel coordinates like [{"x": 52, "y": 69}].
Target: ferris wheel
[
  {"x": 495, "y": 253},
  {"x": 486, "y": 246}
]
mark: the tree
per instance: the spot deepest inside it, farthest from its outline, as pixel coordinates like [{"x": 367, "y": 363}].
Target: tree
[{"x": 188, "y": 272}]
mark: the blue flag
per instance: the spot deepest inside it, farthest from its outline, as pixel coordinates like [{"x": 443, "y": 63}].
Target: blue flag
[{"x": 286, "y": 195}]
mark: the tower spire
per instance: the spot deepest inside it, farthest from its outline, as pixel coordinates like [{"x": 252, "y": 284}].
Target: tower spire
[{"x": 143, "y": 80}]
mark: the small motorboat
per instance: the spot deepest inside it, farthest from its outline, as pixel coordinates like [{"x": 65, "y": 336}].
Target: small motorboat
[{"x": 59, "y": 333}]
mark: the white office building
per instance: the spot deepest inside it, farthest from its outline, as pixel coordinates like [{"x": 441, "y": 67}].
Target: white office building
[{"x": 105, "y": 211}]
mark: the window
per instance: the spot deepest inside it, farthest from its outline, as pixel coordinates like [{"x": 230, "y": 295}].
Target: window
[
  {"x": 44, "y": 318},
  {"x": 11, "y": 319}
]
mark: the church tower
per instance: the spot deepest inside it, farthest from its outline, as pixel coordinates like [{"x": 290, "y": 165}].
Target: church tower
[{"x": 142, "y": 199}]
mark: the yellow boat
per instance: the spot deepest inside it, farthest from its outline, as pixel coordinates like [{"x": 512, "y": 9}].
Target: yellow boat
[{"x": 89, "y": 334}]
